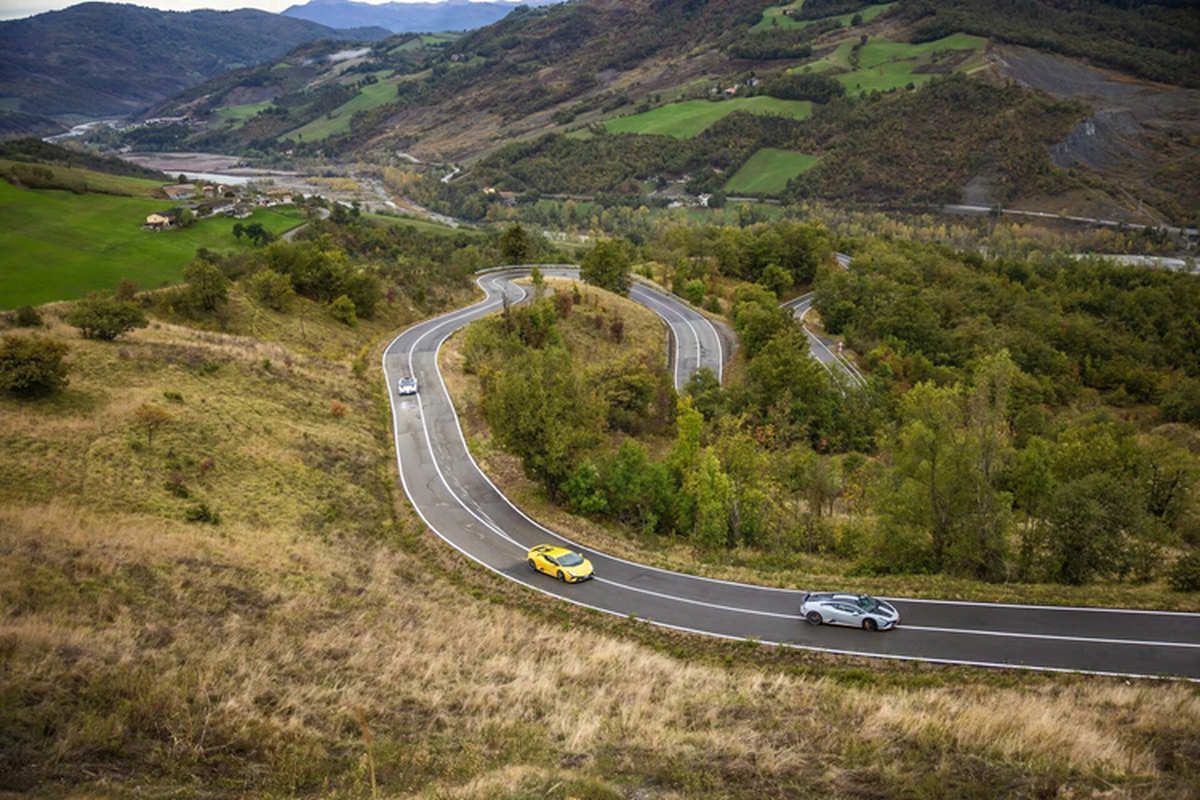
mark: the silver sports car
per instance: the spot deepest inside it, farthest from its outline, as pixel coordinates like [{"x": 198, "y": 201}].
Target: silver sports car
[{"x": 859, "y": 610}]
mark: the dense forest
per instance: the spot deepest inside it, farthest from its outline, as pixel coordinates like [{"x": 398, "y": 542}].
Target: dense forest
[{"x": 1025, "y": 420}]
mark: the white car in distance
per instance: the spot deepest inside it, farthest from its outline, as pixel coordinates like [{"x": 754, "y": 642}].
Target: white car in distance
[{"x": 406, "y": 386}]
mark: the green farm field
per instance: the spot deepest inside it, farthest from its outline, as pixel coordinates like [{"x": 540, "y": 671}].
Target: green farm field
[
  {"x": 371, "y": 96},
  {"x": 237, "y": 115},
  {"x": 768, "y": 171},
  {"x": 775, "y": 18},
  {"x": 93, "y": 181},
  {"x": 423, "y": 225},
  {"x": 56, "y": 245},
  {"x": 884, "y": 64},
  {"x": 693, "y": 116}
]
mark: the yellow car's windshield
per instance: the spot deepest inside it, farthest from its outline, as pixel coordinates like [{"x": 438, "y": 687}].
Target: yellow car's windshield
[{"x": 570, "y": 560}]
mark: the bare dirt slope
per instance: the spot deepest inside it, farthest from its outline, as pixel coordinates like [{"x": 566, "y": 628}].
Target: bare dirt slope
[{"x": 1145, "y": 135}]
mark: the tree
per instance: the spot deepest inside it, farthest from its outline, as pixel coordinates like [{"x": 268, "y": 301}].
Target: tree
[
  {"x": 98, "y": 316},
  {"x": 539, "y": 412},
  {"x": 705, "y": 392},
  {"x": 514, "y": 245},
  {"x": 709, "y": 491},
  {"x": 152, "y": 418},
  {"x": 1089, "y": 521},
  {"x": 776, "y": 278},
  {"x": 239, "y": 230},
  {"x": 32, "y": 367},
  {"x": 607, "y": 265},
  {"x": 926, "y": 493},
  {"x": 185, "y": 218},
  {"x": 207, "y": 286},
  {"x": 989, "y": 441}
]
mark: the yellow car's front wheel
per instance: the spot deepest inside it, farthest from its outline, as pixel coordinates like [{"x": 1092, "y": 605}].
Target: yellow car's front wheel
[{"x": 562, "y": 577}]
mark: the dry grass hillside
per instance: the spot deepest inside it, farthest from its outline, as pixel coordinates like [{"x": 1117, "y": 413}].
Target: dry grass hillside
[{"x": 143, "y": 654}]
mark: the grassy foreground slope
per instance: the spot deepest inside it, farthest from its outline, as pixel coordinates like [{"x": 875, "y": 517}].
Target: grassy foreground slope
[
  {"x": 56, "y": 245},
  {"x": 144, "y": 654}
]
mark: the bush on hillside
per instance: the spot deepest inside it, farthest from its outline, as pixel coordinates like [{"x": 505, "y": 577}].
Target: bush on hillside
[
  {"x": 27, "y": 317},
  {"x": 1185, "y": 575},
  {"x": 32, "y": 367},
  {"x": 99, "y": 316}
]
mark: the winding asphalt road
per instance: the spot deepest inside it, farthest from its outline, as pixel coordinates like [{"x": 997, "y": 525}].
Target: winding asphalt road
[
  {"x": 823, "y": 350},
  {"x": 458, "y": 502}
]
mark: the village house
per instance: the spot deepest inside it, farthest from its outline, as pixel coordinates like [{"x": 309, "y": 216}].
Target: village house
[
  {"x": 180, "y": 191},
  {"x": 158, "y": 222}
]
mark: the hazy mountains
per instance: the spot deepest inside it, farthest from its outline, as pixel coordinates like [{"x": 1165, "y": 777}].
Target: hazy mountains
[
  {"x": 452, "y": 15},
  {"x": 97, "y": 59}
]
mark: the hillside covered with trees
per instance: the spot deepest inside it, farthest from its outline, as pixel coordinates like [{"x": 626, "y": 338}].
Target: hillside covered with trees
[{"x": 1026, "y": 422}]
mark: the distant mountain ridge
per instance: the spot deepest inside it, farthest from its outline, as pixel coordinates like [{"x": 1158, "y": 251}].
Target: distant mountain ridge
[
  {"x": 99, "y": 59},
  {"x": 449, "y": 15}
]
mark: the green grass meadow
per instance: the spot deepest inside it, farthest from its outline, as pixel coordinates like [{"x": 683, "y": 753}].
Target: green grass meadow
[
  {"x": 94, "y": 181},
  {"x": 423, "y": 225},
  {"x": 56, "y": 245},
  {"x": 689, "y": 118},
  {"x": 884, "y": 64},
  {"x": 237, "y": 115},
  {"x": 768, "y": 171},
  {"x": 371, "y": 96},
  {"x": 775, "y": 18}
]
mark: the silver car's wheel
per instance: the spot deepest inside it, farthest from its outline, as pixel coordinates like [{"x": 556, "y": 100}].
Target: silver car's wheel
[
  {"x": 813, "y": 618},
  {"x": 870, "y": 624}
]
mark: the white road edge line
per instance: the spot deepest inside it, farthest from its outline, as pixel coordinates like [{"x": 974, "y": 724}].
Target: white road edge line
[{"x": 1051, "y": 637}]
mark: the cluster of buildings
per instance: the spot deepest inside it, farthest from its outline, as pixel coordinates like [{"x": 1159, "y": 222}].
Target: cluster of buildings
[{"x": 209, "y": 199}]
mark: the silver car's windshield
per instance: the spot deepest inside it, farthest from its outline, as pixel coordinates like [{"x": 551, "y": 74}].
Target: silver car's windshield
[{"x": 868, "y": 603}]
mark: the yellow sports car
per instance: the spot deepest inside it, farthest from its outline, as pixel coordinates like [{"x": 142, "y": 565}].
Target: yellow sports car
[{"x": 564, "y": 564}]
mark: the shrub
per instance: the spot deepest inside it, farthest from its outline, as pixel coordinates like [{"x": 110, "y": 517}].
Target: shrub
[
  {"x": 342, "y": 310},
  {"x": 208, "y": 288},
  {"x": 175, "y": 485},
  {"x": 201, "y": 512},
  {"x": 152, "y": 418},
  {"x": 338, "y": 409},
  {"x": 98, "y": 316},
  {"x": 272, "y": 289},
  {"x": 617, "y": 329},
  {"x": 127, "y": 290},
  {"x": 694, "y": 291},
  {"x": 1185, "y": 574},
  {"x": 27, "y": 317},
  {"x": 32, "y": 367}
]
